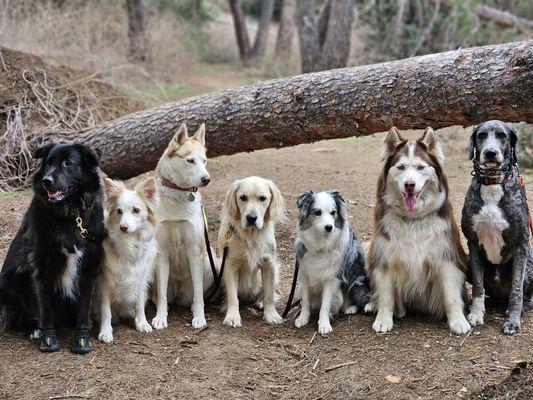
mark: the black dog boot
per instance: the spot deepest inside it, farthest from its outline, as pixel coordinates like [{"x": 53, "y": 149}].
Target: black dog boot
[
  {"x": 49, "y": 341},
  {"x": 82, "y": 344}
]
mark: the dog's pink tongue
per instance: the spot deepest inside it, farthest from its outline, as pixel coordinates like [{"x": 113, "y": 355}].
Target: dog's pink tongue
[{"x": 409, "y": 201}]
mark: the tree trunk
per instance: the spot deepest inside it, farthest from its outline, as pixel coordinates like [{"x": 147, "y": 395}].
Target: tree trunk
[
  {"x": 336, "y": 47},
  {"x": 241, "y": 31},
  {"x": 286, "y": 30},
  {"x": 309, "y": 37},
  {"x": 261, "y": 37},
  {"x": 460, "y": 87},
  {"x": 139, "y": 48},
  {"x": 504, "y": 18}
]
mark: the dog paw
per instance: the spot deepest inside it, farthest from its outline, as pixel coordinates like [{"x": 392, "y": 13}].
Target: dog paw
[
  {"x": 350, "y": 310},
  {"x": 369, "y": 308},
  {"x": 382, "y": 325},
  {"x": 511, "y": 327},
  {"x": 233, "y": 320},
  {"x": 198, "y": 322},
  {"x": 475, "y": 317},
  {"x": 143, "y": 326},
  {"x": 106, "y": 336},
  {"x": 36, "y": 334},
  {"x": 459, "y": 325},
  {"x": 273, "y": 318},
  {"x": 324, "y": 328},
  {"x": 302, "y": 320},
  {"x": 159, "y": 322}
]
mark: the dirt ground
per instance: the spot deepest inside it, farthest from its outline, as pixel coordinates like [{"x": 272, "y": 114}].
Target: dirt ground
[{"x": 418, "y": 359}]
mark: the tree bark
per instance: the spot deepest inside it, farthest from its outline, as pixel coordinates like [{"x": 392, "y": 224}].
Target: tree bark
[
  {"x": 308, "y": 34},
  {"x": 139, "y": 48},
  {"x": 286, "y": 30},
  {"x": 261, "y": 36},
  {"x": 336, "y": 47},
  {"x": 241, "y": 31},
  {"x": 460, "y": 87}
]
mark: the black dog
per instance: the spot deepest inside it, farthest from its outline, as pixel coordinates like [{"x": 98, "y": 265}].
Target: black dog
[
  {"x": 51, "y": 265},
  {"x": 496, "y": 224}
]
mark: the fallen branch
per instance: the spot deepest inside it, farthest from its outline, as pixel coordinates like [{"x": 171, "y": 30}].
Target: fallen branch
[{"x": 328, "y": 369}]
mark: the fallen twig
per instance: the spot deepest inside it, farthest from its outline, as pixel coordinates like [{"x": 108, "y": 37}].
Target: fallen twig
[
  {"x": 328, "y": 369},
  {"x": 69, "y": 396},
  {"x": 466, "y": 337},
  {"x": 312, "y": 338}
]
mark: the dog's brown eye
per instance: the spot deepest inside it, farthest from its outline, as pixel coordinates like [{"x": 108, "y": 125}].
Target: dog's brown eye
[
  {"x": 67, "y": 163},
  {"x": 190, "y": 160},
  {"x": 119, "y": 211},
  {"x": 317, "y": 213},
  {"x": 243, "y": 197},
  {"x": 136, "y": 210},
  {"x": 262, "y": 198},
  {"x": 333, "y": 212},
  {"x": 401, "y": 167},
  {"x": 501, "y": 135},
  {"x": 420, "y": 167},
  {"x": 482, "y": 135}
]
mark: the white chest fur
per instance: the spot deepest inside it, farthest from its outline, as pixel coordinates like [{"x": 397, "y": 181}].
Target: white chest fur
[
  {"x": 68, "y": 279},
  {"x": 490, "y": 222}
]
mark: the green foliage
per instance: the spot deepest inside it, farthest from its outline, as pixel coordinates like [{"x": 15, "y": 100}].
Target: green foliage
[{"x": 186, "y": 9}]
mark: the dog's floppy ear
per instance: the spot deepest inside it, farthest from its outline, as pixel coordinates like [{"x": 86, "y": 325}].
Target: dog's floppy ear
[
  {"x": 90, "y": 156},
  {"x": 276, "y": 208},
  {"x": 431, "y": 141},
  {"x": 148, "y": 191},
  {"x": 113, "y": 188},
  {"x": 392, "y": 141},
  {"x": 230, "y": 202},
  {"x": 304, "y": 202},
  {"x": 340, "y": 203},
  {"x": 200, "y": 134},
  {"x": 42, "y": 152},
  {"x": 181, "y": 135},
  {"x": 472, "y": 143},
  {"x": 514, "y": 144}
]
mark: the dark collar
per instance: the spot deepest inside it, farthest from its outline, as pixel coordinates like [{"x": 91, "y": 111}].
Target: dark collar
[
  {"x": 494, "y": 180},
  {"x": 171, "y": 185}
]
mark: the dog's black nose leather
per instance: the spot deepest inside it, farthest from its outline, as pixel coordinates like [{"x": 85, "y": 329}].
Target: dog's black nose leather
[
  {"x": 409, "y": 186},
  {"x": 328, "y": 228},
  {"x": 490, "y": 153},
  {"x": 206, "y": 180},
  {"x": 47, "y": 181},
  {"x": 251, "y": 219}
]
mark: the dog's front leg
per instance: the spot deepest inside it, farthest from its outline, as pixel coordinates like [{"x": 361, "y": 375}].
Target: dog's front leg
[
  {"x": 141, "y": 324},
  {"x": 161, "y": 273},
  {"x": 385, "y": 292},
  {"x": 268, "y": 275},
  {"x": 516, "y": 297},
  {"x": 324, "y": 325},
  {"x": 106, "y": 330},
  {"x": 49, "y": 341},
  {"x": 305, "y": 312},
  {"x": 196, "y": 265},
  {"x": 452, "y": 284},
  {"x": 82, "y": 343},
  {"x": 231, "y": 282},
  {"x": 477, "y": 311}
]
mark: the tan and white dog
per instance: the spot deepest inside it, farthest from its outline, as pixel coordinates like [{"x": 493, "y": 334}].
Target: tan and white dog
[
  {"x": 182, "y": 266},
  {"x": 415, "y": 259},
  {"x": 251, "y": 209},
  {"x": 130, "y": 250}
]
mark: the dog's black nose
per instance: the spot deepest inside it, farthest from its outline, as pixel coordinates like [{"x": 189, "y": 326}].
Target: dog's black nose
[
  {"x": 47, "y": 181},
  {"x": 328, "y": 228},
  {"x": 409, "y": 186},
  {"x": 206, "y": 180},
  {"x": 251, "y": 219},
  {"x": 490, "y": 153}
]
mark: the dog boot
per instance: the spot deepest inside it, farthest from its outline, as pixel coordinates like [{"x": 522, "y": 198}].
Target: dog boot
[
  {"x": 81, "y": 344},
  {"x": 49, "y": 341}
]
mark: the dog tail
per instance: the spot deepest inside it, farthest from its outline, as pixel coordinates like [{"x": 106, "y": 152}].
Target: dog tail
[{"x": 354, "y": 277}]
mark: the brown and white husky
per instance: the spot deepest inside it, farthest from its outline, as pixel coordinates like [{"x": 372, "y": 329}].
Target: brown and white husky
[{"x": 415, "y": 260}]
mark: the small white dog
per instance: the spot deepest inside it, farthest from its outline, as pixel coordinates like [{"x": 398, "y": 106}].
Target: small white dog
[
  {"x": 251, "y": 209},
  {"x": 332, "y": 262},
  {"x": 130, "y": 251}
]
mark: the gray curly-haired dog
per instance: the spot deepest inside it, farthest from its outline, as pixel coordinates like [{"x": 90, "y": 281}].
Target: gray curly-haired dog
[{"x": 496, "y": 224}]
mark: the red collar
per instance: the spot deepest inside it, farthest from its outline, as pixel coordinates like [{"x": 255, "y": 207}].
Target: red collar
[{"x": 171, "y": 185}]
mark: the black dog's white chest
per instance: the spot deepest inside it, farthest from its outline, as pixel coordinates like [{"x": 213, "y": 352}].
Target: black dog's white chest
[{"x": 68, "y": 280}]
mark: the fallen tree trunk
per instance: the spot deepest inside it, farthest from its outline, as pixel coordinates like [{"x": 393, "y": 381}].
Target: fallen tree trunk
[
  {"x": 461, "y": 87},
  {"x": 504, "y": 18}
]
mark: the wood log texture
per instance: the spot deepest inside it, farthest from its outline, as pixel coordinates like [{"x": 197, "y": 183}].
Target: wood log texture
[{"x": 461, "y": 87}]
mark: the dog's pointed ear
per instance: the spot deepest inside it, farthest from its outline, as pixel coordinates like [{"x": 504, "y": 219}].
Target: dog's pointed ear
[
  {"x": 431, "y": 141},
  {"x": 276, "y": 208},
  {"x": 392, "y": 141},
  {"x": 200, "y": 134},
  {"x": 181, "y": 135},
  {"x": 472, "y": 143},
  {"x": 42, "y": 151},
  {"x": 230, "y": 201},
  {"x": 148, "y": 191},
  {"x": 113, "y": 188},
  {"x": 514, "y": 144}
]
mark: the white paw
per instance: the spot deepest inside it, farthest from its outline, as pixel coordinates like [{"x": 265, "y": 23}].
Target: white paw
[
  {"x": 324, "y": 328},
  {"x": 143, "y": 326},
  {"x": 36, "y": 334},
  {"x": 302, "y": 320},
  {"x": 198, "y": 322},
  {"x": 273, "y": 318},
  {"x": 350, "y": 310},
  {"x": 475, "y": 317},
  {"x": 106, "y": 335},
  {"x": 369, "y": 308},
  {"x": 233, "y": 320},
  {"x": 459, "y": 325},
  {"x": 160, "y": 322},
  {"x": 382, "y": 325}
]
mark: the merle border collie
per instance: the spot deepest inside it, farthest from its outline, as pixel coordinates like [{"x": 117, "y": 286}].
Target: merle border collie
[
  {"x": 415, "y": 259},
  {"x": 332, "y": 262},
  {"x": 51, "y": 265},
  {"x": 496, "y": 225}
]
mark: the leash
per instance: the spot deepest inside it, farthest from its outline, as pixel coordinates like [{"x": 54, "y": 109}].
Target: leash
[
  {"x": 218, "y": 277},
  {"x": 289, "y": 305},
  {"x": 208, "y": 245}
]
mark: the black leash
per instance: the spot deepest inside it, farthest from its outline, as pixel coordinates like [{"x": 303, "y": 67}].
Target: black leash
[
  {"x": 218, "y": 279},
  {"x": 289, "y": 305},
  {"x": 209, "y": 252}
]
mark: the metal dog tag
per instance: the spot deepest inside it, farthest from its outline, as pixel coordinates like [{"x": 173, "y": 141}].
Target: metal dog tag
[{"x": 191, "y": 197}]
